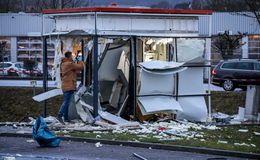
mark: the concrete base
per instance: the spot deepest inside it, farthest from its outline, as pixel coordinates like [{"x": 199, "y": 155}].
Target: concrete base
[{"x": 252, "y": 102}]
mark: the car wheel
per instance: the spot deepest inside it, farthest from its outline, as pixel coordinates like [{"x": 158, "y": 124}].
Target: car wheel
[{"x": 228, "y": 85}]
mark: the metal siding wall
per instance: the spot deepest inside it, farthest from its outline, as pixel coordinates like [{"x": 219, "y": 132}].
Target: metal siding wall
[
  {"x": 222, "y": 21},
  {"x": 203, "y": 25},
  {"x": 20, "y": 24}
]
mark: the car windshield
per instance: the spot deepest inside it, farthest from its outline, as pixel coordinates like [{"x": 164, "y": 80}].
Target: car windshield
[
  {"x": 18, "y": 65},
  {"x": 7, "y": 65}
]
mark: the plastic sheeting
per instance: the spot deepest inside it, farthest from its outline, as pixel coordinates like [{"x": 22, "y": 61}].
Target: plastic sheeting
[
  {"x": 155, "y": 104},
  {"x": 43, "y": 135}
]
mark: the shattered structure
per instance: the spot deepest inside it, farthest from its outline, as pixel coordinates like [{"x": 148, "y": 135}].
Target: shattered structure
[{"x": 139, "y": 62}]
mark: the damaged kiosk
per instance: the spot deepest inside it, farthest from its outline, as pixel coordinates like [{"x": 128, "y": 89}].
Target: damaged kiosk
[{"x": 139, "y": 63}]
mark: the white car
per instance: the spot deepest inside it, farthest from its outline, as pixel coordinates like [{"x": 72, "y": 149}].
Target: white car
[{"x": 11, "y": 68}]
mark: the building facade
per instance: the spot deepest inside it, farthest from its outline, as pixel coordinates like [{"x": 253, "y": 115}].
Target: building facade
[
  {"x": 235, "y": 23},
  {"x": 22, "y": 33}
]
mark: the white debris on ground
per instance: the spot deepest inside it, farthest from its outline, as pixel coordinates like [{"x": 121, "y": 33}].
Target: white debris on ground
[
  {"x": 167, "y": 130},
  {"x": 18, "y": 155},
  {"x": 30, "y": 141},
  {"x": 98, "y": 144},
  {"x": 171, "y": 130},
  {"x": 9, "y": 158},
  {"x": 244, "y": 144},
  {"x": 257, "y": 133},
  {"x": 225, "y": 142},
  {"x": 243, "y": 130}
]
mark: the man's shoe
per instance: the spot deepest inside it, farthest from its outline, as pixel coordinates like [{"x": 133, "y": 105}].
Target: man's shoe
[{"x": 60, "y": 120}]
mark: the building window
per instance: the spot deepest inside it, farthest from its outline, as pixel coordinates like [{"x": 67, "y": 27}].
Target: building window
[
  {"x": 254, "y": 47},
  {"x": 5, "y": 54},
  {"x": 31, "y": 48}
]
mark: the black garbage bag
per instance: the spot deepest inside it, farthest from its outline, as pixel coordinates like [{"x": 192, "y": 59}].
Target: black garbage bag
[{"x": 43, "y": 135}]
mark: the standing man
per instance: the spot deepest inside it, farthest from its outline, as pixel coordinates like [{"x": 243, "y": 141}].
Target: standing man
[{"x": 68, "y": 82}]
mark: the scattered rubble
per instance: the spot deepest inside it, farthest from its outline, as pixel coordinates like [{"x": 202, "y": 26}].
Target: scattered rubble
[
  {"x": 98, "y": 144},
  {"x": 257, "y": 133},
  {"x": 9, "y": 158},
  {"x": 244, "y": 144},
  {"x": 225, "y": 142},
  {"x": 243, "y": 130},
  {"x": 30, "y": 141}
]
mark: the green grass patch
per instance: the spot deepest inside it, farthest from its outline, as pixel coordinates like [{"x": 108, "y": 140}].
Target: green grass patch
[
  {"x": 16, "y": 103},
  {"x": 227, "y": 102},
  {"x": 210, "y": 139}
]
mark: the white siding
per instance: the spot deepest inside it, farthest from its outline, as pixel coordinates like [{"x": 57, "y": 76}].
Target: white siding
[
  {"x": 24, "y": 24},
  {"x": 233, "y": 22}
]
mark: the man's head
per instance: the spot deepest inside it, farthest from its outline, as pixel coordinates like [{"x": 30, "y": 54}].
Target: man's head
[{"x": 68, "y": 54}]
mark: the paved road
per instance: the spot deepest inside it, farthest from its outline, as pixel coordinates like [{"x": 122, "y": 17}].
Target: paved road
[
  {"x": 26, "y": 83},
  {"x": 88, "y": 151}
]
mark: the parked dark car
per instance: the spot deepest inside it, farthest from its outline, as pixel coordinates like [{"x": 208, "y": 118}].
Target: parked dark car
[{"x": 236, "y": 73}]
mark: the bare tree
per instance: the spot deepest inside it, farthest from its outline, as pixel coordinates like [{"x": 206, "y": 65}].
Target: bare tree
[
  {"x": 56, "y": 4},
  {"x": 162, "y": 5},
  {"x": 249, "y": 8},
  {"x": 2, "y": 50},
  {"x": 254, "y": 8},
  {"x": 37, "y": 5},
  {"x": 10, "y": 6},
  {"x": 225, "y": 44}
]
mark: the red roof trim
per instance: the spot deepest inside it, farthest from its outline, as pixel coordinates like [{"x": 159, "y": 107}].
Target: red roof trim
[{"x": 129, "y": 10}]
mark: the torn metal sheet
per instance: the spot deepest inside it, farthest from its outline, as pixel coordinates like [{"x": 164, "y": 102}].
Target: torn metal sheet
[
  {"x": 149, "y": 84},
  {"x": 194, "y": 109},
  {"x": 154, "y": 98},
  {"x": 160, "y": 65},
  {"x": 165, "y": 72},
  {"x": 221, "y": 117},
  {"x": 108, "y": 68},
  {"x": 85, "y": 115},
  {"x": 115, "y": 95},
  {"x": 156, "y": 104},
  {"x": 139, "y": 157},
  {"x": 105, "y": 115},
  {"x": 124, "y": 66},
  {"x": 46, "y": 95},
  {"x": 191, "y": 83}
]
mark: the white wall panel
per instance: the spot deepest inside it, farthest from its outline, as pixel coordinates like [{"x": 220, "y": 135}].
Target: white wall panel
[{"x": 107, "y": 24}]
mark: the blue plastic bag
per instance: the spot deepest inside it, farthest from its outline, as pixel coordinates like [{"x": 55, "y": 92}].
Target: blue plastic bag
[{"x": 43, "y": 135}]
